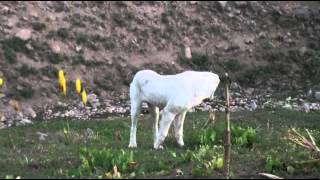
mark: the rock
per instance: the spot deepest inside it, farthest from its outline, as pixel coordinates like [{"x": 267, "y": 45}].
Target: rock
[
  {"x": 42, "y": 136},
  {"x": 187, "y": 52},
  {"x": 306, "y": 107},
  {"x": 31, "y": 112},
  {"x": 24, "y": 34},
  {"x": 2, "y": 119},
  {"x": 235, "y": 85},
  {"x": 12, "y": 22},
  {"x": 55, "y": 47},
  {"x": 2, "y": 95},
  {"x": 262, "y": 35},
  {"x": 15, "y": 104},
  {"x": 287, "y": 106},
  {"x": 26, "y": 121},
  {"x": 302, "y": 50},
  {"x": 29, "y": 47},
  {"x": 317, "y": 95},
  {"x": 5, "y": 10},
  {"x": 288, "y": 98},
  {"x": 241, "y": 4},
  {"x": 78, "y": 48},
  {"x": 34, "y": 14},
  {"x": 249, "y": 91},
  {"x": 253, "y": 105},
  {"x": 309, "y": 93},
  {"x": 222, "y": 4},
  {"x": 249, "y": 40}
]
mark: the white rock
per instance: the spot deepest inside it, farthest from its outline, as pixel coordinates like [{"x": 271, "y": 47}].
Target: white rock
[
  {"x": 31, "y": 112},
  {"x": 55, "y": 47},
  {"x": 187, "y": 52},
  {"x": 26, "y": 121},
  {"x": 317, "y": 95},
  {"x": 24, "y": 34}
]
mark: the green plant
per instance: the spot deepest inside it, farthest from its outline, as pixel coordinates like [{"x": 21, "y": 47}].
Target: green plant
[
  {"x": 84, "y": 39},
  {"x": 56, "y": 58},
  {"x": 66, "y": 133},
  {"x": 95, "y": 159},
  {"x": 243, "y": 136},
  {"x": 63, "y": 33},
  {"x": 9, "y": 177},
  {"x": 11, "y": 46},
  {"x": 272, "y": 163},
  {"x": 37, "y": 26},
  {"x": 49, "y": 71},
  {"x": 233, "y": 65},
  {"x": 207, "y": 137},
  {"x": 26, "y": 70},
  {"x": 206, "y": 159}
]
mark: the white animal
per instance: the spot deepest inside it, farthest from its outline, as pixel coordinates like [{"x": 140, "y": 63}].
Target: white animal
[{"x": 174, "y": 94}]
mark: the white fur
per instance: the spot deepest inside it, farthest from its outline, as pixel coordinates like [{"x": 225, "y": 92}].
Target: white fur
[{"x": 176, "y": 94}]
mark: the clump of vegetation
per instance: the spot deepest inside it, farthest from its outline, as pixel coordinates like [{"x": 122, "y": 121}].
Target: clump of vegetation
[
  {"x": 272, "y": 163},
  {"x": 241, "y": 137},
  {"x": 122, "y": 19},
  {"x": 56, "y": 58},
  {"x": 77, "y": 21},
  {"x": 37, "y": 26},
  {"x": 199, "y": 61},
  {"x": 49, "y": 71},
  {"x": 94, "y": 160},
  {"x": 62, "y": 33},
  {"x": 13, "y": 45},
  {"x": 85, "y": 40},
  {"x": 77, "y": 59},
  {"x": 250, "y": 76},
  {"x": 26, "y": 70},
  {"x": 206, "y": 159},
  {"x": 233, "y": 65}
]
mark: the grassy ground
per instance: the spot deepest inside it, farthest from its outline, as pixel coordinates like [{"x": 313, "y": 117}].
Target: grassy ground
[{"x": 73, "y": 150}]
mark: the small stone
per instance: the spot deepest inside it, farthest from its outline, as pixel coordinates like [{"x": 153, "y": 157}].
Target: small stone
[
  {"x": 55, "y": 47},
  {"x": 26, "y": 121},
  {"x": 188, "y": 52},
  {"x": 24, "y": 34},
  {"x": 31, "y": 112},
  {"x": 78, "y": 48},
  {"x": 317, "y": 95},
  {"x": 2, "y": 95},
  {"x": 302, "y": 50}
]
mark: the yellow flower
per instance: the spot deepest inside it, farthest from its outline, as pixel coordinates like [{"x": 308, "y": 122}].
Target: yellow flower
[
  {"x": 84, "y": 97},
  {"x": 62, "y": 82},
  {"x": 64, "y": 87},
  {"x": 1, "y": 82},
  {"x": 78, "y": 86},
  {"x": 61, "y": 78}
]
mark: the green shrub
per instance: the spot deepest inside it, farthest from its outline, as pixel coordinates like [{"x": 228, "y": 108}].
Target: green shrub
[
  {"x": 233, "y": 65},
  {"x": 272, "y": 163},
  {"x": 241, "y": 137},
  {"x": 93, "y": 159},
  {"x": 37, "y": 26}
]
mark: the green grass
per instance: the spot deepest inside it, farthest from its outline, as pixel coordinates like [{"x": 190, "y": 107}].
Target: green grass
[{"x": 77, "y": 153}]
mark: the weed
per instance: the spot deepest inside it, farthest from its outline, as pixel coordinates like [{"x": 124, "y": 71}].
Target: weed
[
  {"x": 37, "y": 26},
  {"x": 66, "y": 133},
  {"x": 93, "y": 159},
  {"x": 49, "y": 71},
  {"x": 232, "y": 65},
  {"x": 26, "y": 70},
  {"x": 56, "y": 58},
  {"x": 272, "y": 163}
]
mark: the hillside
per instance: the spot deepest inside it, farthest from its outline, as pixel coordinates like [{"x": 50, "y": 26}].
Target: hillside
[{"x": 267, "y": 47}]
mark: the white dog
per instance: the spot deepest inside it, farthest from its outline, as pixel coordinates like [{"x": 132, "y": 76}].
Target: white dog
[{"x": 176, "y": 94}]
